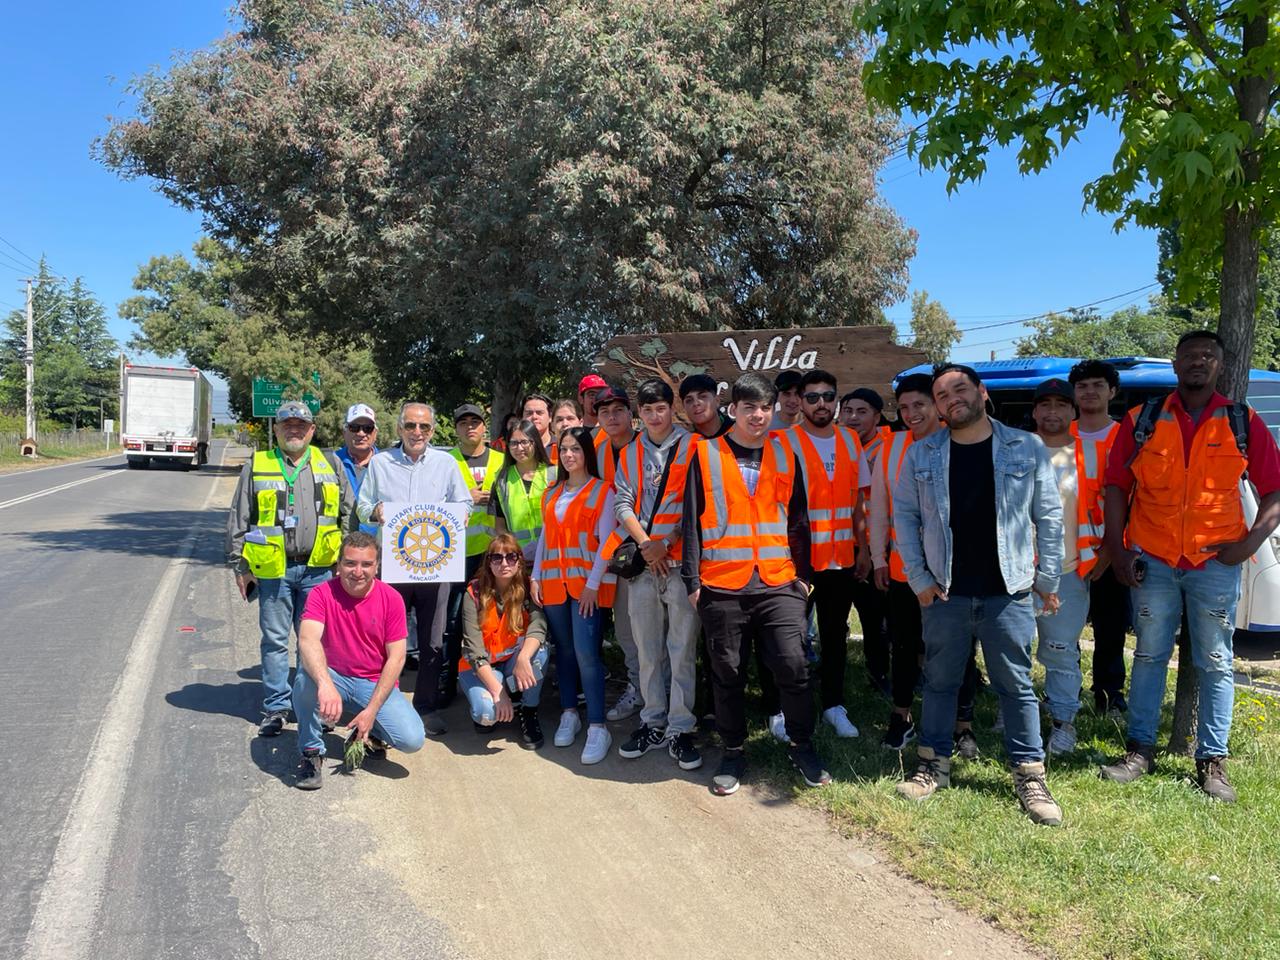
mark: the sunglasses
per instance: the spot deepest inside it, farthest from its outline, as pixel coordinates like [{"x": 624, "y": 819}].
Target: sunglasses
[
  {"x": 361, "y": 428},
  {"x": 502, "y": 559},
  {"x": 424, "y": 427},
  {"x": 826, "y": 396}
]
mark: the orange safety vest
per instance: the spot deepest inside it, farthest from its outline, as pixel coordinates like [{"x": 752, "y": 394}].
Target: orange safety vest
[
  {"x": 876, "y": 444},
  {"x": 499, "y": 638},
  {"x": 741, "y": 532},
  {"x": 831, "y": 501},
  {"x": 1091, "y": 469},
  {"x": 669, "y": 513},
  {"x": 1182, "y": 504},
  {"x": 604, "y": 457},
  {"x": 891, "y": 460},
  {"x": 570, "y": 547}
]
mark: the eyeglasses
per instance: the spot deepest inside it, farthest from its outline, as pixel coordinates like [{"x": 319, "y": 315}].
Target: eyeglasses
[
  {"x": 826, "y": 396},
  {"x": 361, "y": 428},
  {"x": 519, "y": 443},
  {"x": 502, "y": 559},
  {"x": 424, "y": 427}
]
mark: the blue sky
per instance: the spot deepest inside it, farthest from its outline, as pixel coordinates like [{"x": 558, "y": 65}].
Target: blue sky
[{"x": 1006, "y": 248}]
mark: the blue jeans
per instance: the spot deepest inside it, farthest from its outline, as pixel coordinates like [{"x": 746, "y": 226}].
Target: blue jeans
[
  {"x": 479, "y": 698},
  {"x": 578, "y": 661},
  {"x": 397, "y": 722},
  {"x": 280, "y": 604},
  {"x": 1004, "y": 625},
  {"x": 1059, "y": 647},
  {"x": 1210, "y": 593}
]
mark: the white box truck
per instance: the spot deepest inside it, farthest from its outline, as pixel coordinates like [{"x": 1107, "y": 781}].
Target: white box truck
[{"x": 166, "y": 414}]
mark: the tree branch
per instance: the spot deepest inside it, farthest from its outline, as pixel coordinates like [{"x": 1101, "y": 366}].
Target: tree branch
[
  {"x": 1201, "y": 39},
  {"x": 700, "y": 172}
]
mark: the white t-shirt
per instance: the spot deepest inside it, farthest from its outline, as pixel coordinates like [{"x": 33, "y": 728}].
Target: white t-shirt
[
  {"x": 1096, "y": 434},
  {"x": 826, "y": 447},
  {"x": 1064, "y": 466}
]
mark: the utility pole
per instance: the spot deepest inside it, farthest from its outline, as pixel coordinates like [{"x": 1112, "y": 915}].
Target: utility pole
[{"x": 31, "y": 368}]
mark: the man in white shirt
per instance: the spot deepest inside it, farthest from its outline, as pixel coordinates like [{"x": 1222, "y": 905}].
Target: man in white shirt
[{"x": 416, "y": 473}]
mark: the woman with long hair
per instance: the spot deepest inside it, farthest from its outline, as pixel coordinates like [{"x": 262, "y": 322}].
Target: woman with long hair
[
  {"x": 572, "y": 584},
  {"x": 503, "y": 653},
  {"x": 516, "y": 499}
]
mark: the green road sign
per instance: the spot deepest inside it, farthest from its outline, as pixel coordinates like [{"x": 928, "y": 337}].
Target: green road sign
[{"x": 269, "y": 394}]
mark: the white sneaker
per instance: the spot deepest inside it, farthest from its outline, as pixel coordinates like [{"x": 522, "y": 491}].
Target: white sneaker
[
  {"x": 598, "y": 743},
  {"x": 838, "y": 718},
  {"x": 778, "y": 727},
  {"x": 1062, "y": 739},
  {"x": 567, "y": 732},
  {"x": 628, "y": 705}
]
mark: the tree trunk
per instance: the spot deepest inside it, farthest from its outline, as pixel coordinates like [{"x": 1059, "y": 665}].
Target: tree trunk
[
  {"x": 1186, "y": 696},
  {"x": 1241, "y": 243},
  {"x": 507, "y": 388}
]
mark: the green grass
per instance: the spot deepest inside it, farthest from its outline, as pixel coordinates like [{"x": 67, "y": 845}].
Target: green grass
[
  {"x": 1151, "y": 870},
  {"x": 54, "y": 455}
]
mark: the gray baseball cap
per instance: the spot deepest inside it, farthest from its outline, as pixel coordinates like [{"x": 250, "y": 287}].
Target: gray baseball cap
[{"x": 294, "y": 410}]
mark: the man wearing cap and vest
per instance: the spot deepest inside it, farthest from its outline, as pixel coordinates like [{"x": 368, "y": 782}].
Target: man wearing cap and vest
[
  {"x": 415, "y": 472},
  {"x": 360, "y": 433},
  {"x": 745, "y": 565},
  {"x": 835, "y": 476},
  {"x": 1094, "y": 385},
  {"x": 613, "y": 410},
  {"x": 478, "y": 466},
  {"x": 284, "y": 533},
  {"x": 648, "y": 500},
  {"x": 1176, "y": 534},
  {"x": 861, "y": 410},
  {"x": 787, "y": 383},
  {"x": 1078, "y": 465}
]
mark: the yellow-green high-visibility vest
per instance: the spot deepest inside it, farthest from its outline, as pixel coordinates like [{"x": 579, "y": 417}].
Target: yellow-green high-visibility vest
[
  {"x": 264, "y": 546},
  {"x": 480, "y": 528},
  {"x": 523, "y": 510}
]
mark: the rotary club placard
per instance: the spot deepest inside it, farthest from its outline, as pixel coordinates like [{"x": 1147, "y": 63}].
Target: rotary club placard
[{"x": 424, "y": 542}]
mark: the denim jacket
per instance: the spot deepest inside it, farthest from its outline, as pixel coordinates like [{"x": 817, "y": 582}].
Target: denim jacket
[{"x": 1028, "y": 512}]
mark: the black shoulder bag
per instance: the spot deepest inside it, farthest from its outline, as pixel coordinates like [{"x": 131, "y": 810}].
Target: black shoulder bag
[{"x": 627, "y": 561}]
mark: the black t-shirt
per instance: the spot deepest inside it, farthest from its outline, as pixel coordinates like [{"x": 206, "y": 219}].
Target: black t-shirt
[{"x": 975, "y": 558}]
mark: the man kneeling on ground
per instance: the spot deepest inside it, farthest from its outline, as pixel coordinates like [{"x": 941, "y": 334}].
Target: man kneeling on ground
[{"x": 352, "y": 646}]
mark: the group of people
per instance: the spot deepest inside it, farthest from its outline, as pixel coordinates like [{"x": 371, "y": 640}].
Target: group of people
[{"x": 757, "y": 528}]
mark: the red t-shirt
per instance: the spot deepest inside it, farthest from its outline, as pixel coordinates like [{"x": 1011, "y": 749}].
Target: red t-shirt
[
  {"x": 1263, "y": 454},
  {"x": 357, "y": 629}
]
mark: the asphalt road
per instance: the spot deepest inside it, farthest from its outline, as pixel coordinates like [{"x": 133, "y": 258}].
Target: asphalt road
[{"x": 133, "y": 784}]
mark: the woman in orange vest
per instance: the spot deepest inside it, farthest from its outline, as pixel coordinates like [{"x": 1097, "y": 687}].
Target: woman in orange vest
[
  {"x": 504, "y": 655},
  {"x": 571, "y": 583}
]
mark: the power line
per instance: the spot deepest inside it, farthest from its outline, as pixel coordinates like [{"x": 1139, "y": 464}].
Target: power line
[{"x": 26, "y": 256}]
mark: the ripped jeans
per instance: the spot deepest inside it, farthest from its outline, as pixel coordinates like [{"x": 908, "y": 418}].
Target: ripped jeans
[{"x": 1210, "y": 593}]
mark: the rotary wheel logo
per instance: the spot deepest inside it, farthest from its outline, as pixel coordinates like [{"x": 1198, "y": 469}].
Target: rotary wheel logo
[{"x": 424, "y": 540}]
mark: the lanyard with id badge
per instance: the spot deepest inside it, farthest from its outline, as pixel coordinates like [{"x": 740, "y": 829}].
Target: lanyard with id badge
[{"x": 290, "y": 519}]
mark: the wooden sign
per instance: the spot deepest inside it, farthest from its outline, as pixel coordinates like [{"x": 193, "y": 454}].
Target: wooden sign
[{"x": 855, "y": 356}]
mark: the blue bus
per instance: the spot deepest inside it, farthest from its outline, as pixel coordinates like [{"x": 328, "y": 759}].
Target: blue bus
[{"x": 1011, "y": 384}]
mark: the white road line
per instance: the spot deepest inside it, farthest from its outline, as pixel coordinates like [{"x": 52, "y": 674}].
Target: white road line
[
  {"x": 57, "y": 466},
  {"x": 65, "y": 917},
  {"x": 48, "y": 490}
]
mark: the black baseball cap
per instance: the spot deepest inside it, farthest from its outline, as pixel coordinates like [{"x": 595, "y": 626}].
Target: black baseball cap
[
  {"x": 612, "y": 394},
  {"x": 1055, "y": 387},
  {"x": 787, "y": 380},
  {"x": 468, "y": 410}
]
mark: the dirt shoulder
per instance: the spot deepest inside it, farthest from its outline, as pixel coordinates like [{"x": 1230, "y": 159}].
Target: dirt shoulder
[{"x": 523, "y": 853}]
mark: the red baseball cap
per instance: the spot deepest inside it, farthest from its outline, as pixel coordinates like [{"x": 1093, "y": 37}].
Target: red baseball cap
[{"x": 592, "y": 381}]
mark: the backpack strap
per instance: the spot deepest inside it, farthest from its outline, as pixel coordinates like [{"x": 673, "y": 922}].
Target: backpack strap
[
  {"x": 1145, "y": 425},
  {"x": 1238, "y": 417}
]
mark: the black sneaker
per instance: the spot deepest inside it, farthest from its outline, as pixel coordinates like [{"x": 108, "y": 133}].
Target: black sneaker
[
  {"x": 683, "y": 752},
  {"x": 733, "y": 765},
  {"x": 901, "y": 732},
  {"x": 641, "y": 742},
  {"x": 805, "y": 759},
  {"x": 273, "y": 723},
  {"x": 530, "y": 728},
  {"x": 966, "y": 744},
  {"x": 308, "y": 775}
]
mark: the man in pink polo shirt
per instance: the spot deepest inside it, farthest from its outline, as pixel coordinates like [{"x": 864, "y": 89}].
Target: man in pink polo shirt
[{"x": 352, "y": 647}]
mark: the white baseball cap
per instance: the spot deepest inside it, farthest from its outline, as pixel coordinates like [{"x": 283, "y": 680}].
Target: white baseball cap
[{"x": 360, "y": 411}]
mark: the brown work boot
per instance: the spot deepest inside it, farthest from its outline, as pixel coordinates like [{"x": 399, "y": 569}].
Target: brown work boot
[
  {"x": 1138, "y": 759},
  {"x": 1033, "y": 794},
  {"x": 1211, "y": 775},
  {"x": 933, "y": 773}
]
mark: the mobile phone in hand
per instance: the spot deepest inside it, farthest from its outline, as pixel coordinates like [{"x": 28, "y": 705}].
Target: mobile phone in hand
[
  {"x": 250, "y": 590},
  {"x": 537, "y": 677}
]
